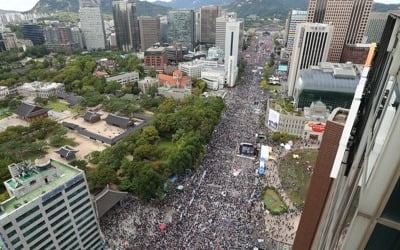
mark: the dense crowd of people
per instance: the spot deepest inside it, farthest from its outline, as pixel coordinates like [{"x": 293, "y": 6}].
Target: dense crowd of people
[{"x": 219, "y": 206}]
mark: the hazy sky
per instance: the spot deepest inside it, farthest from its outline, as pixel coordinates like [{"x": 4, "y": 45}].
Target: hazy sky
[{"x": 23, "y": 5}]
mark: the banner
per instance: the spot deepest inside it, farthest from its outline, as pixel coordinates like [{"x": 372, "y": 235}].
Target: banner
[{"x": 273, "y": 119}]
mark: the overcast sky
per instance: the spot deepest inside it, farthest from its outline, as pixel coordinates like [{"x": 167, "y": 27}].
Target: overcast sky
[{"x": 23, "y": 5}]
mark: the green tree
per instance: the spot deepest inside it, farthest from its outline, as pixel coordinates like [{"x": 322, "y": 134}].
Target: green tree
[
  {"x": 266, "y": 73},
  {"x": 152, "y": 72},
  {"x": 92, "y": 98},
  {"x": 145, "y": 151},
  {"x": 153, "y": 91},
  {"x": 167, "y": 106},
  {"x": 100, "y": 177},
  {"x": 41, "y": 101},
  {"x": 81, "y": 164},
  {"x": 111, "y": 87},
  {"x": 150, "y": 134},
  {"x": 147, "y": 184}
]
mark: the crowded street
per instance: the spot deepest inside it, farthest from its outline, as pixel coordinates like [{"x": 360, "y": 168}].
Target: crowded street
[{"x": 219, "y": 206}]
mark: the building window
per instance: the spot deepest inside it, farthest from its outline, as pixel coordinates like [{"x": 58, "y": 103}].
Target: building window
[
  {"x": 33, "y": 229},
  {"x": 11, "y": 234},
  {"x": 392, "y": 209},
  {"x": 15, "y": 241},
  {"x": 383, "y": 238},
  {"x": 58, "y": 204},
  {"x": 76, "y": 192},
  {"x": 31, "y": 221},
  {"x": 7, "y": 226},
  {"x": 23, "y": 216}
]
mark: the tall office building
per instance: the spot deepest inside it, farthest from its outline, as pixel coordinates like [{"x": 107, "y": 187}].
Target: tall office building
[
  {"x": 311, "y": 46},
  {"x": 232, "y": 45},
  {"x": 77, "y": 37},
  {"x": 294, "y": 18},
  {"x": 220, "y": 29},
  {"x": 349, "y": 18},
  {"x": 33, "y": 32},
  {"x": 2, "y": 44},
  {"x": 208, "y": 15},
  {"x": 59, "y": 38},
  {"x": 92, "y": 24},
  {"x": 10, "y": 41},
  {"x": 318, "y": 190},
  {"x": 181, "y": 28},
  {"x": 149, "y": 28},
  {"x": 197, "y": 20},
  {"x": 49, "y": 208},
  {"x": 126, "y": 25},
  {"x": 362, "y": 209},
  {"x": 376, "y": 24}
]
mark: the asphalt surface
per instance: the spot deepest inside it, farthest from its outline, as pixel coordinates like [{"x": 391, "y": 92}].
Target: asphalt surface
[{"x": 220, "y": 206}]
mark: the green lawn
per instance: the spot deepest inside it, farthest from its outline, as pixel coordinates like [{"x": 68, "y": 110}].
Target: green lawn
[
  {"x": 273, "y": 202},
  {"x": 295, "y": 177},
  {"x": 57, "y": 106},
  {"x": 5, "y": 112}
]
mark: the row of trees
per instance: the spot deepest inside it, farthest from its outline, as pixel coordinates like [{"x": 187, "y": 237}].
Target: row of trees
[{"x": 171, "y": 145}]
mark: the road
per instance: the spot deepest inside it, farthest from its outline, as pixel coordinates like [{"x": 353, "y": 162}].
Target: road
[{"x": 220, "y": 205}]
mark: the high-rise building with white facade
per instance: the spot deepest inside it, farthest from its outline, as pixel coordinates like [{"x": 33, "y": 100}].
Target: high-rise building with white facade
[
  {"x": 126, "y": 25},
  {"x": 349, "y": 18},
  {"x": 294, "y": 18},
  {"x": 220, "y": 29},
  {"x": 197, "y": 20},
  {"x": 310, "y": 47},
  {"x": 92, "y": 24},
  {"x": 49, "y": 208},
  {"x": 362, "y": 209},
  {"x": 232, "y": 45}
]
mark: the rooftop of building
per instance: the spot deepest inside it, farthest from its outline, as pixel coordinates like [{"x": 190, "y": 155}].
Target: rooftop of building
[
  {"x": 153, "y": 49},
  {"x": 298, "y": 12},
  {"x": 33, "y": 173},
  {"x": 198, "y": 62},
  {"x": 176, "y": 78},
  {"x": 133, "y": 73},
  {"x": 331, "y": 77},
  {"x": 339, "y": 115},
  {"x": 220, "y": 69},
  {"x": 29, "y": 110},
  {"x": 38, "y": 85},
  {"x": 284, "y": 107}
]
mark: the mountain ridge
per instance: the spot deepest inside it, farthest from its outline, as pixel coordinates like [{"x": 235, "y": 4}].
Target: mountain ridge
[
  {"x": 143, "y": 8},
  {"x": 264, "y": 8},
  {"x": 192, "y": 4},
  {"x": 280, "y": 8}
]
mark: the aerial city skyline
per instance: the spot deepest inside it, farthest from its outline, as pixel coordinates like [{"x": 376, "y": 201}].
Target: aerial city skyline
[{"x": 25, "y": 5}]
